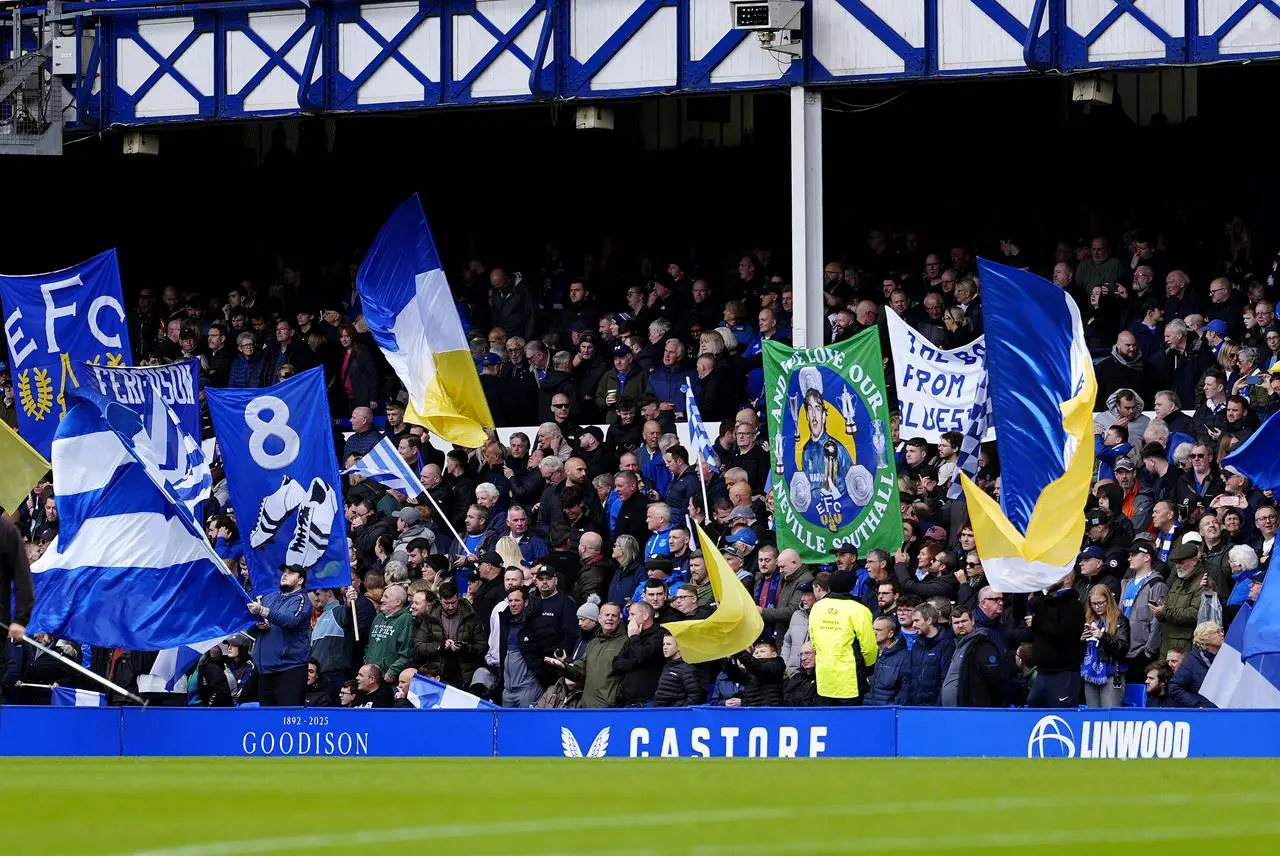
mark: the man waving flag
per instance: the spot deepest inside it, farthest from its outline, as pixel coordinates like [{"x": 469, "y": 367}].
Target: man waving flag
[{"x": 411, "y": 314}]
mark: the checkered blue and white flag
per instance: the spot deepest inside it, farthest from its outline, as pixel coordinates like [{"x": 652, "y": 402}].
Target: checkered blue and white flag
[
  {"x": 967, "y": 458},
  {"x": 699, "y": 439},
  {"x": 384, "y": 465}
]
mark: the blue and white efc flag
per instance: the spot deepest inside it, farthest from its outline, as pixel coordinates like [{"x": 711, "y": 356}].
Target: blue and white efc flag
[
  {"x": 54, "y": 322},
  {"x": 426, "y": 694},
  {"x": 130, "y": 567},
  {"x": 167, "y": 398},
  {"x": 699, "y": 439},
  {"x": 384, "y": 465},
  {"x": 68, "y": 697},
  {"x": 277, "y": 447}
]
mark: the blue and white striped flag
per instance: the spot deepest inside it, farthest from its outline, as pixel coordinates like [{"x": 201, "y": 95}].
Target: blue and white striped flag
[
  {"x": 167, "y": 399},
  {"x": 68, "y": 697},
  {"x": 130, "y": 567},
  {"x": 971, "y": 445},
  {"x": 384, "y": 465},
  {"x": 426, "y": 694},
  {"x": 699, "y": 439},
  {"x": 172, "y": 666}
]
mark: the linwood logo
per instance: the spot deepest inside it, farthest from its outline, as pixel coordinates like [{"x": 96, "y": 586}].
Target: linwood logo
[{"x": 599, "y": 746}]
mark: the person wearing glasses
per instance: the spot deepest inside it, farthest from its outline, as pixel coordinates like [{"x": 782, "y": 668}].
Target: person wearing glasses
[
  {"x": 1201, "y": 483},
  {"x": 1265, "y": 519}
]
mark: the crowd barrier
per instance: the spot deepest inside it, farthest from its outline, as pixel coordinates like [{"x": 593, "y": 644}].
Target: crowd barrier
[{"x": 715, "y": 732}]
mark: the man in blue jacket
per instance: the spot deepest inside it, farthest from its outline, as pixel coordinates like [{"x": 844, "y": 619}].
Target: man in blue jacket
[{"x": 284, "y": 641}]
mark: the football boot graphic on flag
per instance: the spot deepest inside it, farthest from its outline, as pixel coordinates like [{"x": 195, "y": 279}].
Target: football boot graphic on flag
[{"x": 313, "y": 508}]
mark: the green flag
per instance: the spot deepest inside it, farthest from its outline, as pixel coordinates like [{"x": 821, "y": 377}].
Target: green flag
[{"x": 834, "y": 478}]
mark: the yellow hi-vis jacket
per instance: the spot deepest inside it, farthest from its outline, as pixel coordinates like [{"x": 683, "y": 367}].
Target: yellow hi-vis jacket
[{"x": 837, "y": 624}]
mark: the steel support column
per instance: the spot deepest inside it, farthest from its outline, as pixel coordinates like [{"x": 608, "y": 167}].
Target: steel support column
[{"x": 807, "y": 323}]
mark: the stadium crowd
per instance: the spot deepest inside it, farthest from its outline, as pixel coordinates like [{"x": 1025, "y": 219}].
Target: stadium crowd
[{"x": 575, "y": 548}]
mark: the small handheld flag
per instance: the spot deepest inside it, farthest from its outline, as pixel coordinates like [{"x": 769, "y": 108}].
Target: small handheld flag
[{"x": 384, "y": 465}]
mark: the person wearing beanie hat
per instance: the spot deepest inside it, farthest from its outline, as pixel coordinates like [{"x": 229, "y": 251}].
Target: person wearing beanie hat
[
  {"x": 843, "y": 636},
  {"x": 588, "y": 626}
]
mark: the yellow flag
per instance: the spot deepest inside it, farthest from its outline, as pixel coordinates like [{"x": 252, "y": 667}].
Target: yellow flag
[
  {"x": 456, "y": 408},
  {"x": 733, "y": 627},
  {"x": 20, "y": 468}
]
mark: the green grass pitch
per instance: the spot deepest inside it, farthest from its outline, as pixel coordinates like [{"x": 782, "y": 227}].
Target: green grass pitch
[{"x": 632, "y": 807}]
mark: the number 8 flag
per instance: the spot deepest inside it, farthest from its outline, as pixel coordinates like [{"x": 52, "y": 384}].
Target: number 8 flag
[{"x": 282, "y": 472}]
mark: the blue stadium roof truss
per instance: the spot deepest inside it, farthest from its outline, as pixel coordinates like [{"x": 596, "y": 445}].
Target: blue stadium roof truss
[{"x": 144, "y": 62}]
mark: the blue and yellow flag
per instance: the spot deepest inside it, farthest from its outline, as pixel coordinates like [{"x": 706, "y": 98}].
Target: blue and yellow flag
[
  {"x": 1042, "y": 391},
  {"x": 411, "y": 314}
]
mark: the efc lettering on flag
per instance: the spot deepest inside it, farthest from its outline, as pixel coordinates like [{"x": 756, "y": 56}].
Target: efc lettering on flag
[
  {"x": 1042, "y": 388},
  {"x": 384, "y": 465},
  {"x": 410, "y": 312},
  {"x": 277, "y": 446},
  {"x": 130, "y": 567},
  {"x": 733, "y": 627},
  {"x": 54, "y": 322},
  {"x": 834, "y": 477}
]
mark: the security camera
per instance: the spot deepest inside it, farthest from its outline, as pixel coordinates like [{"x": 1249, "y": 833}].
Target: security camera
[{"x": 766, "y": 14}]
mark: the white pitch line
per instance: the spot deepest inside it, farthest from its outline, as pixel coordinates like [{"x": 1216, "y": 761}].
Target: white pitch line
[
  {"x": 453, "y": 831},
  {"x": 1083, "y": 834}
]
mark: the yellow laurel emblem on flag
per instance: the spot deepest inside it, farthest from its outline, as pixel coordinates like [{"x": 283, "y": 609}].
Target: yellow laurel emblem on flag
[
  {"x": 38, "y": 402},
  {"x": 112, "y": 360}
]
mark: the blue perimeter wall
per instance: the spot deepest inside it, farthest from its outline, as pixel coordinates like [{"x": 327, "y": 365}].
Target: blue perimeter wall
[{"x": 669, "y": 732}]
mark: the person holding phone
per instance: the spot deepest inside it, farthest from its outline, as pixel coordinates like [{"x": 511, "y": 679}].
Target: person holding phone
[{"x": 1141, "y": 593}]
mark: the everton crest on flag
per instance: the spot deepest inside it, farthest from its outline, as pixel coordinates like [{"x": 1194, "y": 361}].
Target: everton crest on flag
[{"x": 834, "y": 476}]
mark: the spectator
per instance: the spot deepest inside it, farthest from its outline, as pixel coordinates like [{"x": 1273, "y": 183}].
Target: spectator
[
  {"x": 1056, "y": 621},
  {"x": 284, "y": 645},
  {"x": 640, "y": 662},
  {"x": 526, "y": 640},
  {"x": 891, "y": 680},
  {"x": 1181, "y": 605},
  {"x": 844, "y": 644},
  {"x": 976, "y": 676},
  {"x": 678, "y": 682},
  {"x": 601, "y": 685},
  {"x": 391, "y": 636},
  {"x": 1184, "y": 688},
  {"x": 1106, "y": 638},
  {"x": 931, "y": 655}
]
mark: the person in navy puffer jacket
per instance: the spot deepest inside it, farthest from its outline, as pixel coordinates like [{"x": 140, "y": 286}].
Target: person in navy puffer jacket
[
  {"x": 284, "y": 645},
  {"x": 246, "y": 368},
  {"x": 891, "y": 679},
  {"x": 668, "y": 380},
  {"x": 930, "y": 656}
]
